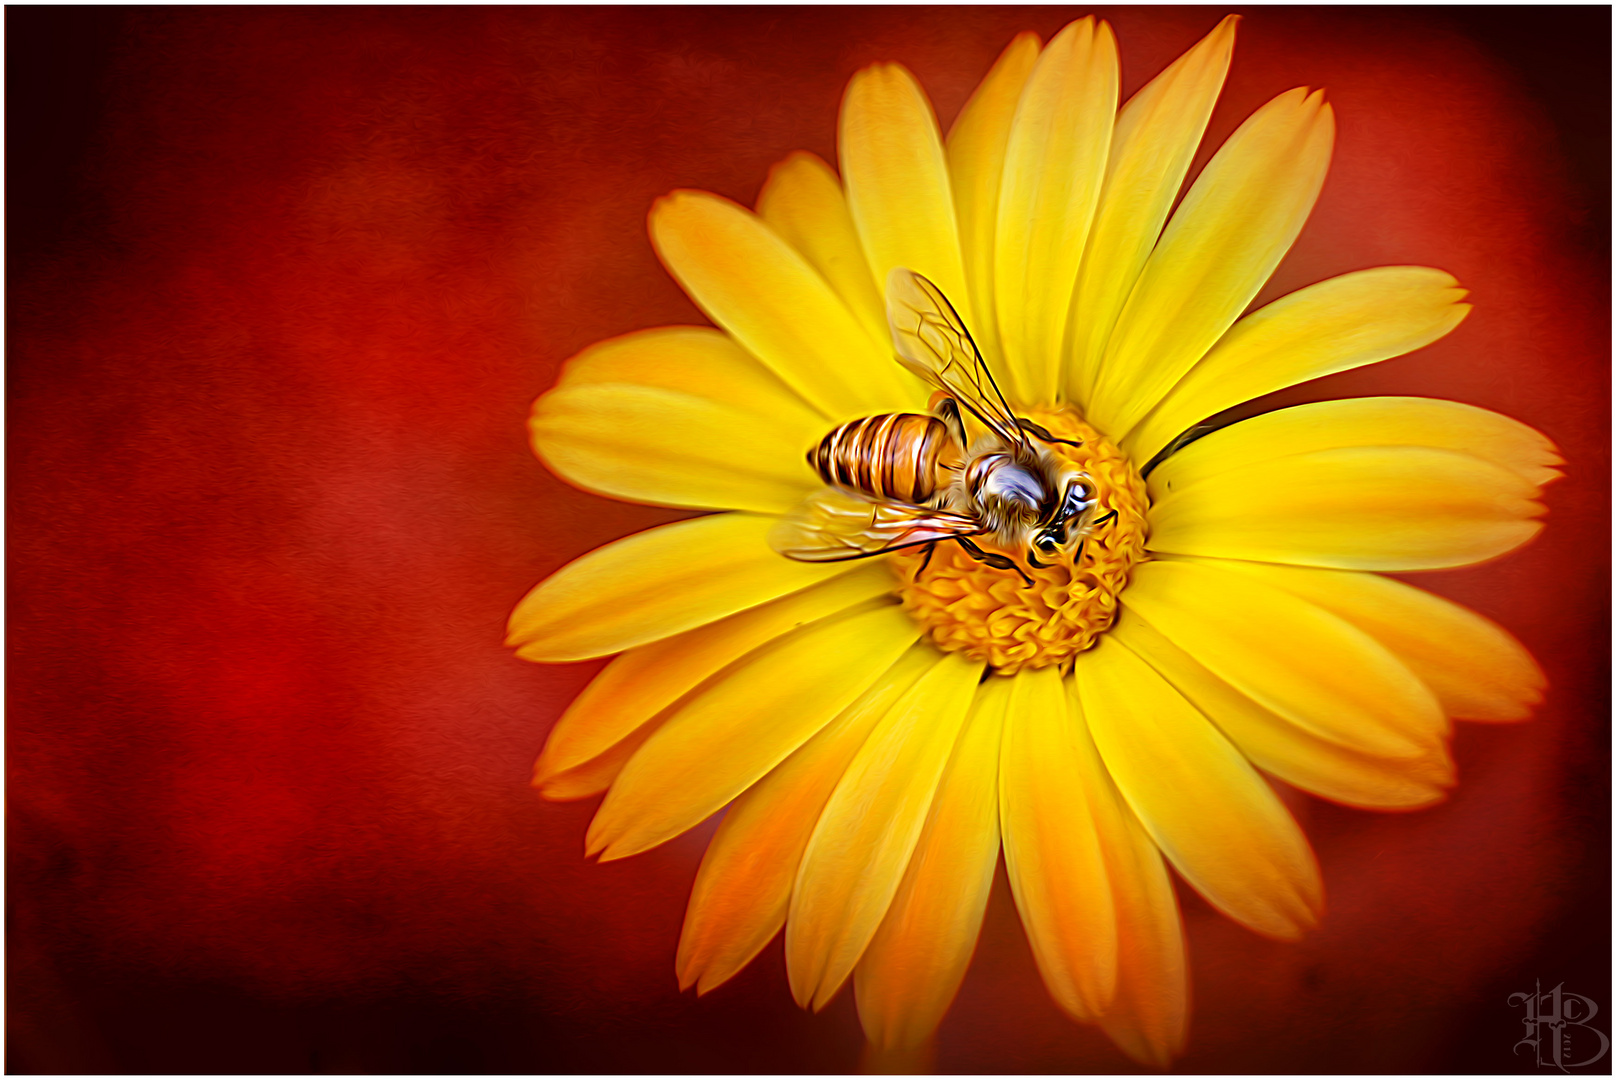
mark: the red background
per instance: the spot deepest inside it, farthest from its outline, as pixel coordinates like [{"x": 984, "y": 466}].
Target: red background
[{"x": 283, "y": 283}]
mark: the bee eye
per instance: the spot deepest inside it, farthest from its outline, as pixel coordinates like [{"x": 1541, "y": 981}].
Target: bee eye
[
  {"x": 1078, "y": 499},
  {"x": 1046, "y": 544}
]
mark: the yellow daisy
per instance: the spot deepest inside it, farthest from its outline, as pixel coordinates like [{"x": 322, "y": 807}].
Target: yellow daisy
[{"x": 881, "y": 728}]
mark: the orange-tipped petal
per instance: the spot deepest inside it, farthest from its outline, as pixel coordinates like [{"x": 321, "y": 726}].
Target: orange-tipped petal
[
  {"x": 803, "y": 201},
  {"x": 1473, "y": 665},
  {"x": 1353, "y": 508},
  {"x": 1313, "y": 668},
  {"x": 862, "y": 843},
  {"x": 1289, "y": 751},
  {"x": 1237, "y": 221},
  {"x": 1052, "y": 848},
  {"x": 655, "y": 584},
  {"x": 897, "y": 180},
  {"x": 913, "y": 967},
  {"x": 1362, "y": 422},
  {"x": 1149, "y": 1015},
  {"x": 775, "y": 304},
  {"x": 1345, "y": 322},
  {"x": 1204, "y": 805},
  {"x": 724, "y": 739},
  {"x": 743, "y": 888},
  {"x": 1152, "y": 146},
  {"x": 634, "y": 688}
]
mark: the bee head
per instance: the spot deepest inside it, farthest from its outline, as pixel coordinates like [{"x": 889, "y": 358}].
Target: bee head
[
  {"x": 1064, "y": 526},
  {"x": 1076, "y": 505}
]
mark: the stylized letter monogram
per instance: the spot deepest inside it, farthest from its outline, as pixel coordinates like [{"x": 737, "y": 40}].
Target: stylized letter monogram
[{"x": 1557, "y": 1012}]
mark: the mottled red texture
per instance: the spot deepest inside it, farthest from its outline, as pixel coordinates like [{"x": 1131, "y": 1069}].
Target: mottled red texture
[{"x": 270, "y": 502}]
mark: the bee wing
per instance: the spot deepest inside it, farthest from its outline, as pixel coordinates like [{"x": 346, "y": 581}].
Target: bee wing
[
  {"x": 833, "y": 525},
  {"x": 932, "y": 341}
]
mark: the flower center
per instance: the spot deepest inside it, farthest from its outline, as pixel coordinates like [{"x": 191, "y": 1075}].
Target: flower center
[{"x": 994, "y": 615}]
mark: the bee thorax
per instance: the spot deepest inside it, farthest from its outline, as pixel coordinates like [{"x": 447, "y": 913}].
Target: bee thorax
[
  {"x": 1004, "y": 495},
  {"x": 1014, "y": 488}
]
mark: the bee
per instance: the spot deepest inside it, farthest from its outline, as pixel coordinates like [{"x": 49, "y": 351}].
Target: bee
[{"x": 907, "y": 480}]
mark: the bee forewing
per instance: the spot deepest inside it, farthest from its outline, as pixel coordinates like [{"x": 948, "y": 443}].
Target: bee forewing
[
  {"x": 832, "y": 525},
  {"x": 932, "y": 341}
]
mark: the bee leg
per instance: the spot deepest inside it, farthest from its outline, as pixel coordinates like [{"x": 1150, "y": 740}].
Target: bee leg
[
  {"x": 1077, "y": 556},
  {"x": 993, "y": 559},
  {"x": 1035, "y": 429},
  {"x": 931, "y": 549},
  {"x": 1103, "y": 520}
]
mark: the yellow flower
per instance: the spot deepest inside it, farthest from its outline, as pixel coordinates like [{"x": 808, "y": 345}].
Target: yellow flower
[{"x": 880, "y": 728}]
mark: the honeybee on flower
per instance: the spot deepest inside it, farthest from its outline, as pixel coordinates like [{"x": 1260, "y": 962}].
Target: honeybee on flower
[
  {"x": 1148, "y": 622},
  {"x": 885, "y": 472}
]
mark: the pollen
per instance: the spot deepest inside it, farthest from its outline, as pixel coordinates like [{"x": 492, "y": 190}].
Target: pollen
[{"x": 994, "y": 615}]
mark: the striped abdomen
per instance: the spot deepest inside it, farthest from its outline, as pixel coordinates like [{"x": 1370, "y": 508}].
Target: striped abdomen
[{"x": 897, "y": 457}]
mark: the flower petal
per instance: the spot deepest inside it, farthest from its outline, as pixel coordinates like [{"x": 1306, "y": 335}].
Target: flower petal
[
  {"x": 1205, "y": 807},
  {"x": 656, "y": 584},
  {"x": 1156, "y": 134},
  {"x": 743, "y": 888},
  {"x": 1354, "y": 508},
  {"x": 1150, "y": 1012},
  {"x": 590, "y": 778},
  {"x": 1287, "y": 750},
  {"x": 634, "y": 688},
  {"x": 1309, "y": 666},
  {"x": 913, "y": 967},
  {"x": 723, "y": 739},
  {"x": 1054, "y": 165},
  {"x": 1052, "y": 850},
  {"x": 645, "y": 444},
  {"x": 802, "y": 200},
  {"x": 695, "y": 360},
  {"x": 863, "y": 841},
  {"x": 1475, "y": 668},
  {"x": 671, "y": 437},
  {"x": 1149, "y": 1018},
  {"x": 897, "y": 180},
  {"x": 1372, "y": 421},
  {"x": 1342, "y": 323},
  {"x": 975, "y": 149},
  {"x": 1235, "y": 224},
  {"x": 775, "y": 304}
]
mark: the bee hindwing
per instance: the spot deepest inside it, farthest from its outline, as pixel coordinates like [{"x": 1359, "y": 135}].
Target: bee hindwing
[{"x": 832, "y": 525}]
